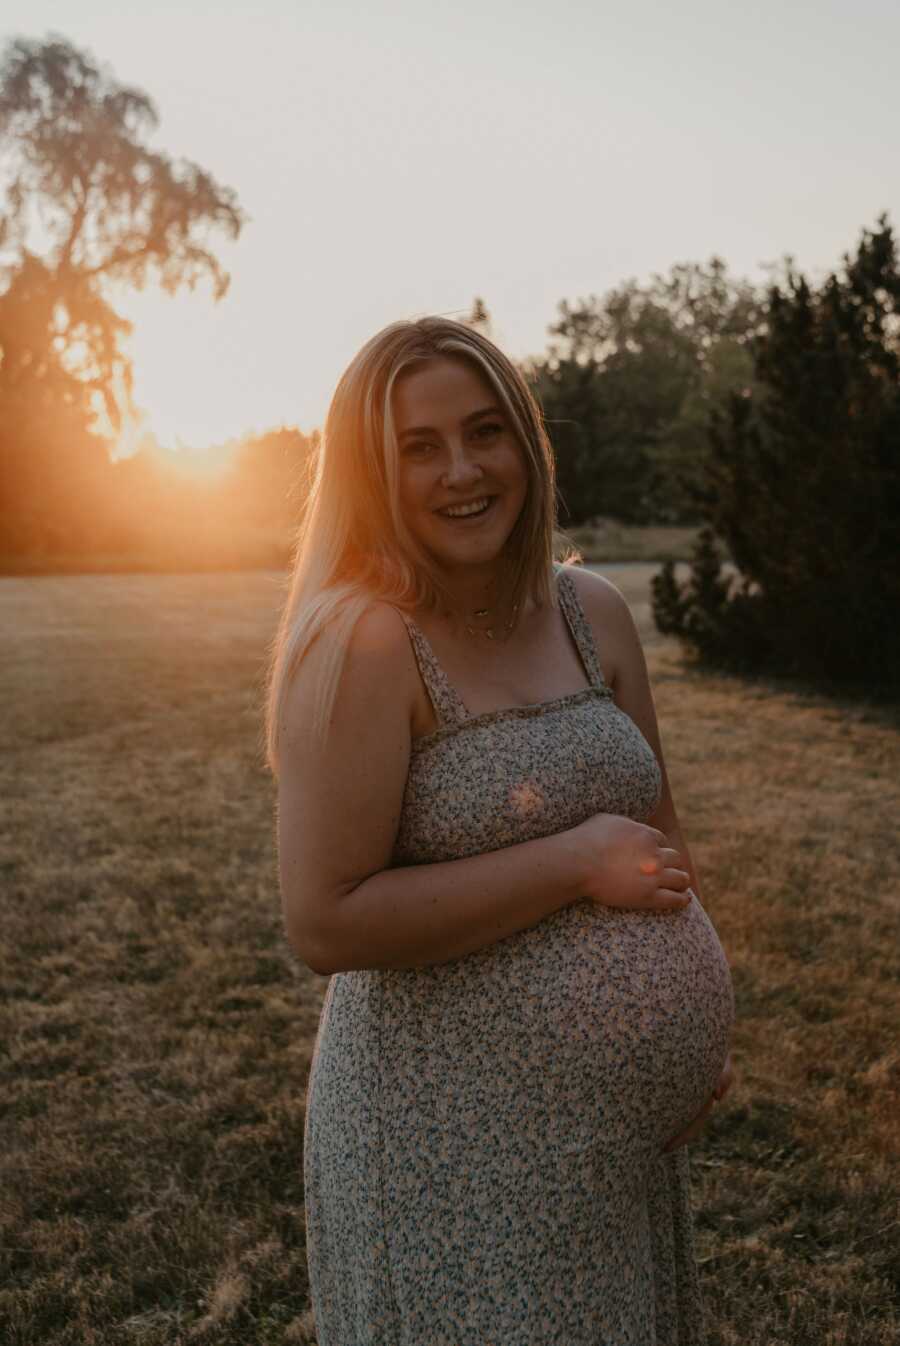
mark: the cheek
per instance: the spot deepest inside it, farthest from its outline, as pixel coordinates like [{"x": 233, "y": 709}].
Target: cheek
[{"x": 412, "y": 487}]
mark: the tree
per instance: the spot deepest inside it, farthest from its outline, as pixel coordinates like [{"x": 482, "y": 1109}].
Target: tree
[
  {"x": 272, "y": 476},
  {"x": 172, "y": 511},
  {"x": 629, "y": 383},
  {"x": 803, "y": 488},
  {"x": 479, "y": 318},
  {"x": 49, "y": 459},
  {"x": 88, "y": 207},
  {"x": 602, "y": 461}
]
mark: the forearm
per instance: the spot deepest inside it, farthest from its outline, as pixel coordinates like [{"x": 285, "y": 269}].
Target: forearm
[{"x": 423, "y": 914}]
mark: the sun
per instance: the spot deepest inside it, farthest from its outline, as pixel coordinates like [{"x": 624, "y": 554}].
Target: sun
[
  {"x": 185, "y": 382},
  {"x": 137, "y": 434},
  {"x": 204, "y": 464}
]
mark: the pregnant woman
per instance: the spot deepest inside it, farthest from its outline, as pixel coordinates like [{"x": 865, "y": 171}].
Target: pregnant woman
[{"x": 529, "y": 1011}]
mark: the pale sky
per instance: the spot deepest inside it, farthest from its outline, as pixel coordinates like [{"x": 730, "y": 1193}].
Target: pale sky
[{"x": 399, "y": 158}]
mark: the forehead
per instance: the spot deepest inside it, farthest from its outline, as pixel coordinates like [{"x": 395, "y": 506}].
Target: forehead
[{"x": 440, "y": 388}]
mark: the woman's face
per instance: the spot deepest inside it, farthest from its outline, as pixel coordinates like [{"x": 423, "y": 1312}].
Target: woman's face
[{"x": 457, "y": 449}]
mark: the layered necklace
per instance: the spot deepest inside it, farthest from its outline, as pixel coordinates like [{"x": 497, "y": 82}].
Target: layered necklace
[{"x": 491, "y": 631}]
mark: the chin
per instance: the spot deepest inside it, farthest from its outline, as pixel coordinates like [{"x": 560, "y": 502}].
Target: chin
[
  {"x": 472, "y": 546},
  {"x": 477, "y": 552}
]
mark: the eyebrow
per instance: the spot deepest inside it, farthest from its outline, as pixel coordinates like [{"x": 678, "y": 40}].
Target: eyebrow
[{"x": 466, "y": 420}]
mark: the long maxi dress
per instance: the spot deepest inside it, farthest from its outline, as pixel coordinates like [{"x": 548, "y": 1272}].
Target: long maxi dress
[{"x": 482, "y": 1143}]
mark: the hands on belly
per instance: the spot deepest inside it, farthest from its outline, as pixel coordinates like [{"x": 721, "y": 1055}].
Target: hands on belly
[{"x": 696, "y": 1126}]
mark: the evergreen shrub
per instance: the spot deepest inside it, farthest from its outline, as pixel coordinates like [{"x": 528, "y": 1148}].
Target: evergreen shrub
[{"x": 802, "y": 491}]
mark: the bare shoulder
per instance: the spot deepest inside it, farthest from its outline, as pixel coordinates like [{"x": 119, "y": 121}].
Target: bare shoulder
[
  {"x": 340, "y": 795},
  {"x": 380, "y": 634},
  {"x": 610, "y": 617},
  {"x": 378, "y": 669},
  {"x": 597, "y": 591}
]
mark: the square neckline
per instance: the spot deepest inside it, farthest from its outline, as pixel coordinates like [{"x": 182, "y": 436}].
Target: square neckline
[
  {"x": 508, "y": 713},
  {"x": 582, "y": 637}
]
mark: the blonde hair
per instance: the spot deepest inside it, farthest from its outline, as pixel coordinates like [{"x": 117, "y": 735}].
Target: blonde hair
[{"x": 353, "y": 546}]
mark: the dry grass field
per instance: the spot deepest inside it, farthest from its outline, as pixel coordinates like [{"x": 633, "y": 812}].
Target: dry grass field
[
  {"x": 157, "y": 1030},
  {"x": 215, "y": 548}
]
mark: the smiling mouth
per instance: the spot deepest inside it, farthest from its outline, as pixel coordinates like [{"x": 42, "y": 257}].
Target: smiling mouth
[{"x": 472, "y": 509}]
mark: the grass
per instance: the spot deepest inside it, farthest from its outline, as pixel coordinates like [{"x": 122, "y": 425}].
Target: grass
[
  {"x": 158, "y": 1030},
  {"x": 244, "y": 549},
  {"x": 266, "y": 549}
]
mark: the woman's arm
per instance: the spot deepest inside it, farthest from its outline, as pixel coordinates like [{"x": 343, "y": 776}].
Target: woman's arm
[
  {"x": 338, "y": 811},
  {"x": 625, "y": 667},
  {"x": 616, "y": 636}
]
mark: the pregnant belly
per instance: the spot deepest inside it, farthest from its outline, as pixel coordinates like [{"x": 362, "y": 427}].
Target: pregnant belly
[
  {"x": 636, "y": 1019},
  {"x": 597, "y": 1027}
]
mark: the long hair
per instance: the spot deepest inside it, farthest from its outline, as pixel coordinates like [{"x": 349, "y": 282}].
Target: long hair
[{"x": 353, "y": 546}]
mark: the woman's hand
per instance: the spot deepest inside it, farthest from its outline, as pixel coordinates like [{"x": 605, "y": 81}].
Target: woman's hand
[
  {"x": 628, "y": 864},
  {"x": 697, "y": 1125}
]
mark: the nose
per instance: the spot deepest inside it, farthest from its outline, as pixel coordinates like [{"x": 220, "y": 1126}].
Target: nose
[{"x": 462, "y": 469}]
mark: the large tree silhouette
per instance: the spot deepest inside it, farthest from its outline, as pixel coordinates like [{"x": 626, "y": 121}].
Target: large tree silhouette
[
  {"x": 802, "y": 486},
  {"x": 89, "y": 207}
]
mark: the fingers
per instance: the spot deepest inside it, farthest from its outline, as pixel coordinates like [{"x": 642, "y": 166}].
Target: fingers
[
  {"x": 725, "y": 1079},
  {"x": 674, "y": 889},
  {"x": 692, "y": 1131},
  {"x": 678, "y": 879},
  {"x": 668, "y": 866},
  {"x": 685, "y": 1138},
  {"x": 665, "y": 899}
]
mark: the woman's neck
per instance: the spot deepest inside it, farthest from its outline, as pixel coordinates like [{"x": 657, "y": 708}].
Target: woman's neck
[
  {"x": 470, "y": 589},
  {"x": 477, "y": 602}
]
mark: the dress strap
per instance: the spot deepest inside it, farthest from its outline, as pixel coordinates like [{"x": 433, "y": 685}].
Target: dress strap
[
  {"x": 448, "y": 706},
  {"x": 579, "y": 625}
]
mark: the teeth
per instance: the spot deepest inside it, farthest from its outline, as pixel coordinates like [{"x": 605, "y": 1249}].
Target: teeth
[{"x": 457, "y": 511}]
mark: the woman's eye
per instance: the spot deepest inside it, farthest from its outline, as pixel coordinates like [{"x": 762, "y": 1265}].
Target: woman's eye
[
  {"x": 487, "y": 430},
  {"x": 417, "y": 448}
]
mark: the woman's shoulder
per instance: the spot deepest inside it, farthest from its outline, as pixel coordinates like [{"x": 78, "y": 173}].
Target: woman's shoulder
[
  {"x": 379, "y": 652},
  {"x": 358, "y": 670},
  {"x": 599, "y": 597},
  {"x": 379, "y": 629},
  {"x": 610, "y": 618},
  {"x": 365, "y": 649}
]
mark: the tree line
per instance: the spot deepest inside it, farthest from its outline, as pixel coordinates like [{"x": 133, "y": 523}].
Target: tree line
[{"x": 769, "y": 416}]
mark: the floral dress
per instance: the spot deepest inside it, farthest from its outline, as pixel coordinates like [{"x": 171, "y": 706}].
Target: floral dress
[{"x": 482, "y": 1145}]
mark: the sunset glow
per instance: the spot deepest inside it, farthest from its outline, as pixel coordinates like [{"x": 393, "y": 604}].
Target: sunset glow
[
  {"x": 187, "y": 394},
  {"x": 544, "y": 156},
  {"x": 200, "y": 463}
]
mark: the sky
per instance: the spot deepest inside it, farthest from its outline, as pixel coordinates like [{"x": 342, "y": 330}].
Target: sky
[{"x": 397, "y": 159}]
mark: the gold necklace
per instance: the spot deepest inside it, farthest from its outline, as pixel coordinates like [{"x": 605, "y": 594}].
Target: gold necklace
[{"x": 489, "y": 630}]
